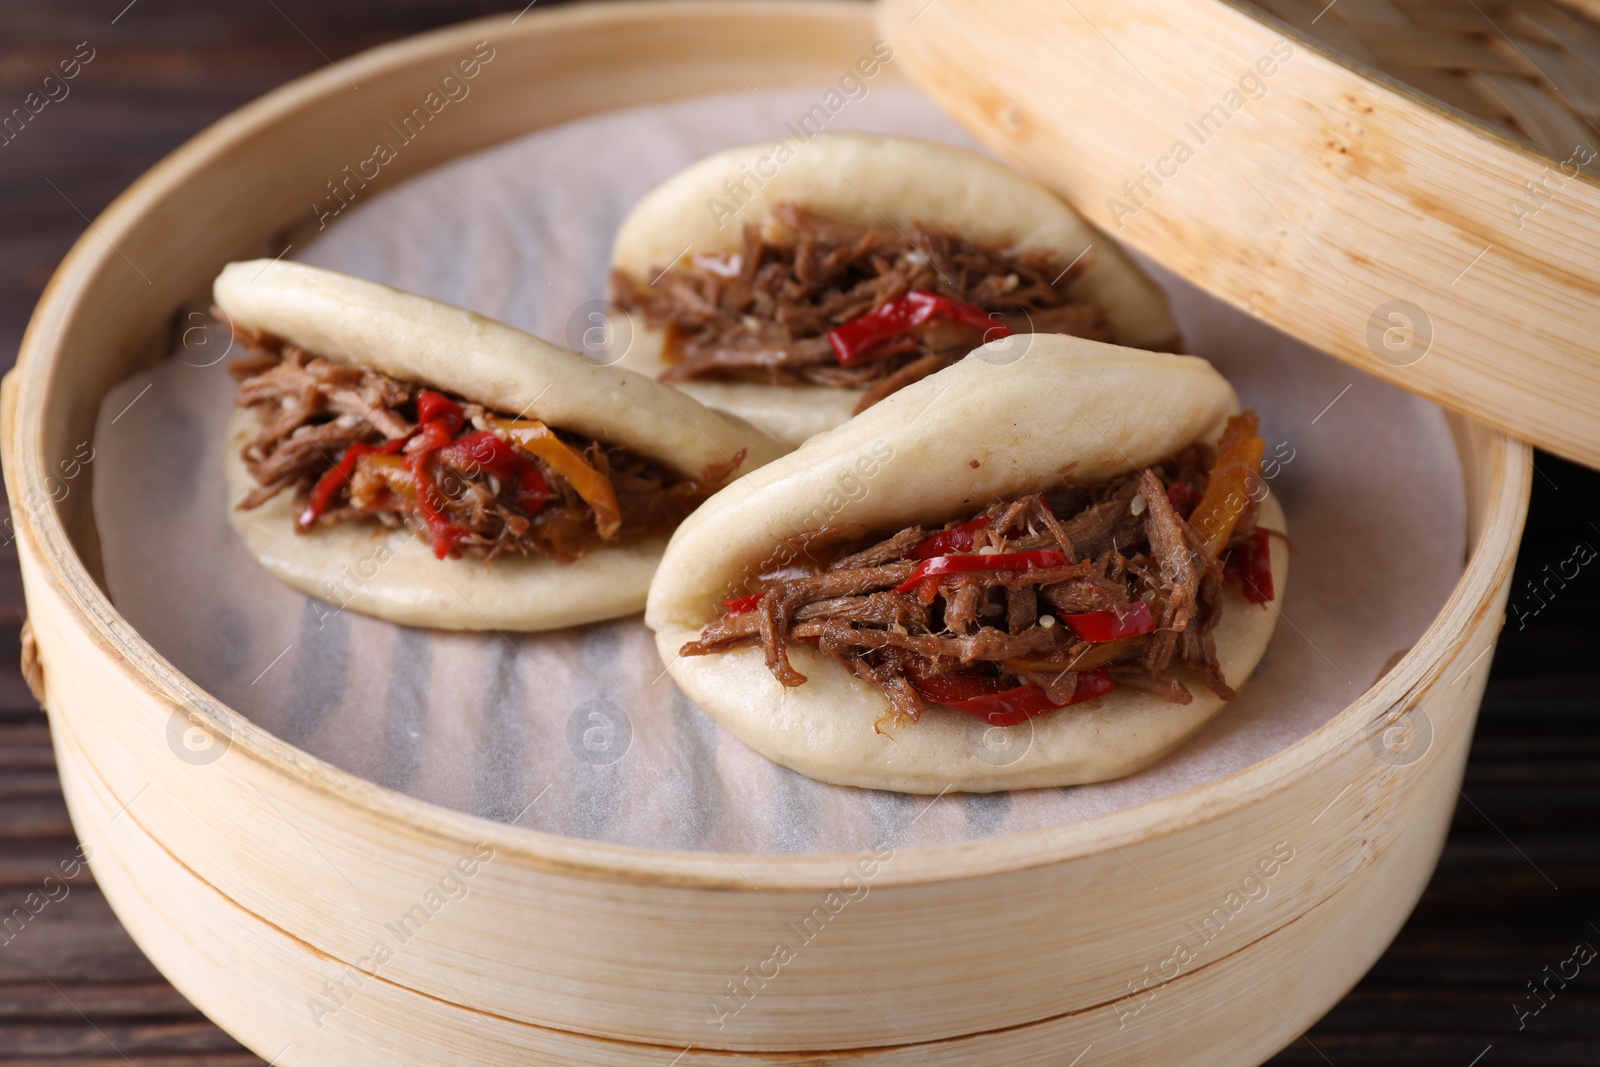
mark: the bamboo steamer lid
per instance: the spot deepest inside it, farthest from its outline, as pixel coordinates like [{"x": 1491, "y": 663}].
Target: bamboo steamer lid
[{"x": 1409, "y": 185}]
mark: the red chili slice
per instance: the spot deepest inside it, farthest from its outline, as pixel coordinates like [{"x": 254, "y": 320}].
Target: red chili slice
[
  {"x": 947, "y": 687},
  {"x": 1183, "y": 497},
  {"x": 328, "y": 485},
  {"x": 433, "y": 407},
  {"x": 439, "y": 419},
  {"x": 446, "y": 534},
  {"x": 494, "y": 455},
  {"x": 1007, "y": 707},
  {"x": 1010, "y": 707},
  {"x": 739, "y": 605},
  {"x": 431, "y": 436},
  {"x": 855, "y": 341},
  {"x": 955, "y": 539},
  {"x": 1091, "y": 684},
  {"x": 1098, "y": 626},
  {"x": 998, "y": 561},
  {"x": 959, "y": 538},
  {"x": 1249, "y": 562}
]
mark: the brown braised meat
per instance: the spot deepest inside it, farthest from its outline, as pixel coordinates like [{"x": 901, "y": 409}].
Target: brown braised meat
[
  {"x": 763, "y": 313},
  {"x": 351, "y": 443},
  {"x": 1033, "y": 603}
]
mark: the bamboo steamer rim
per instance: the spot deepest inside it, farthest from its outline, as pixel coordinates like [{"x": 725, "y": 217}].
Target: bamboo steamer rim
[{"x": 28, "y": 392}]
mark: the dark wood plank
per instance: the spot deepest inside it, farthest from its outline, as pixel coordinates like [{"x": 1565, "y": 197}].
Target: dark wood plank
[
  {"x": 29, "y": 782},
  {"x": 41, "y": 1001},
  {"x": 72, "y": 1039},
  {"x": 25, "y": 863},
  {"x": 25, "y": 746},
  {"x": 74, "y": 939},
  {"x": 235, "y": 1058},
  {"x": 35, "y": 817},
  {"x": 75, "y": 992}
]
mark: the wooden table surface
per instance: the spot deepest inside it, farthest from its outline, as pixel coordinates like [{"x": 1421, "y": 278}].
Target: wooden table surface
[{"x": 1518, "y": 887}]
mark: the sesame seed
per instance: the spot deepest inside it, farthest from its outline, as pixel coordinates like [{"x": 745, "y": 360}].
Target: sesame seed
[
  {"x": 1047, "y": 621},
  {"x": 1137, "y": 505}
]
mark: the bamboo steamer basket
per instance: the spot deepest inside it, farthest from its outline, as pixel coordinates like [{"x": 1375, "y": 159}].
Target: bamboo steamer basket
[
  {"x": 258, "y": 878},
  {"x": 1413, "y": 190}
]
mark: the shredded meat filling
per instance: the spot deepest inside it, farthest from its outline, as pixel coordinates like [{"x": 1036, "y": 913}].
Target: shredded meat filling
[
  {"x": 475, "y": 491},
  {"x": 994, "y": 627},
  {"x": 763, "y": 313}
]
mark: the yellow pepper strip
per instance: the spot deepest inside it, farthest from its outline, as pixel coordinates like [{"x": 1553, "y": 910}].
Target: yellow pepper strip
[
  {"x": 595, "y": 488},
  {"x": 1233, "y": 478},
  {"x": 397, "y": 478}
]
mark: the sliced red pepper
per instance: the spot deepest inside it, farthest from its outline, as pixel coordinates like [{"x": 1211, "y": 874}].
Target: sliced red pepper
[
  {"x": 955, "y": 539},
  {"x": 433, "y": 410},
  {"x": 947, "y": 687},
  {"x": 1183, "y": 497},
  {"x": 959, "y": 538},
  {"x": 1097, "y": 626},
  {"x": 1007, "y": 707},
  {"x": 740, "y": 605},
  {"x": 434, "y": 407},
  {"x": 328, "y": 485},
  {"x": 593, "y": 487},
  {"x": 1249, "y": 562},
  {"x": 446, "y": 534},
  {"x": 1091, "y": 684},
  {"x": 997, "y": 561},
  {"x": 481, "y": 451},
  {"x": 492, "y": 454},
  {"x": 855, "y": 341},
  {"x": 431, "y": 436},
  {"x": 439, "y": 419}
]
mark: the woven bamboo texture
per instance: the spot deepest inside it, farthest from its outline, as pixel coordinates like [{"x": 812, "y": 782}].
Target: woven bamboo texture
[{"x": 1529, "y": 68}]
